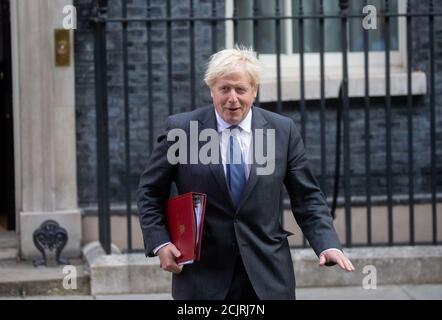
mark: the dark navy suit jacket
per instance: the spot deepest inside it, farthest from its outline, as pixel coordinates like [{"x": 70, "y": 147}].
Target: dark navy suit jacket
[{"x": 252, "y": 230}]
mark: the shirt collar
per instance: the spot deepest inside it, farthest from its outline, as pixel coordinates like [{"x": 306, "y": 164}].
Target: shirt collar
[{"x": 245, "y": 125}]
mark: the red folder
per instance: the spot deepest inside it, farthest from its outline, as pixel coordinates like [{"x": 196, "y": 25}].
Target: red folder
[{"x": 185, "y": 219}]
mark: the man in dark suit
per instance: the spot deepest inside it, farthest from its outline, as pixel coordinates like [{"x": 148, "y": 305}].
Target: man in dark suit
[{"x": 245, "y": 253}]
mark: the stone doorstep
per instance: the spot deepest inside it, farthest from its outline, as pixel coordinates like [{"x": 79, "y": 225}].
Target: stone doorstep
[
  {"x": 8, "y": 254},
  {"x": 8, "y": 240},
  {"x": 51, "y": 287},
  {"x": 19, "y": 279},
  {"x": 8, "y": 246},
  {"x": 135, "y": 274}
]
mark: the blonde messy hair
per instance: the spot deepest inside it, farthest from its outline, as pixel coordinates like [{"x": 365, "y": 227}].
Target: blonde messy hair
[{"x": 226, "y": 61}]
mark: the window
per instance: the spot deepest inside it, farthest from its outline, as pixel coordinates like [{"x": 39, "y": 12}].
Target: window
[
  {"x": 265, "y": 42},
  {"x": 290, "y": 28}
]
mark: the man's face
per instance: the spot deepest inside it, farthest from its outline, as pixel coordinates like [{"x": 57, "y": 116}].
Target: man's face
[{"x": 233, "y": 96}]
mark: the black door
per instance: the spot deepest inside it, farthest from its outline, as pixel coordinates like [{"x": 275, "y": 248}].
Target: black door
[{"x": 7, "y": 194}]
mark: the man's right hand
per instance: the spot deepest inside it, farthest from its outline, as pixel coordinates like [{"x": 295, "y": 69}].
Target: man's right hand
[{"x": 167, "y": 255}]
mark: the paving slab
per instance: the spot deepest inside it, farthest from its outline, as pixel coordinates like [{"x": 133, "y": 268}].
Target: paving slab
[
  {"x": 154, "y": 296},
  {"x": 391, "y": 292},
  {"x": 80, "y": 297},
  {"x": 424, "y": 292},
  {"x": 387, "y": 292}
]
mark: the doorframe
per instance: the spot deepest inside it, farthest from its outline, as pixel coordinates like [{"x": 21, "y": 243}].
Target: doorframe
[
  {"x": 6, "y": 36},
  {"x": 15, "y": 54}
]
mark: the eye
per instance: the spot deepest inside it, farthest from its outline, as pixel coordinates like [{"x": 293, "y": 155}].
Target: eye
[{"x": 241, "y": 90}]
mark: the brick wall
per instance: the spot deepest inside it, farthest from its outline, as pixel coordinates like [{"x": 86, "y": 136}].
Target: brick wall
[{"x": 138, "y": 93}]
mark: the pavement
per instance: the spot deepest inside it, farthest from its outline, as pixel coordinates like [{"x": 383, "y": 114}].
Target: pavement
[
  {"x": 20, "y": 280},
  {"x": 387, "y": 292}
]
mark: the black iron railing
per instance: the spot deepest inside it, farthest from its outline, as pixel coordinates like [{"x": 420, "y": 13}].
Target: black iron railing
[{"x": 101, "y": 20}]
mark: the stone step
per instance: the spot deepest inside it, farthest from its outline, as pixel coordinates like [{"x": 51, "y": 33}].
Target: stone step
[
  {"x": 8, "y": 239},
  {"x": 8, "y": 245},
  {"x": 118, "y": 274},
  {"x": 21, "y": 279},
  {"x": 8, "y": 254}
]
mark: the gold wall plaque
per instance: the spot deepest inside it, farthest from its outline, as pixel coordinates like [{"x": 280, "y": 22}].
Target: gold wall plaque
[{"x": 62, "y": 48}]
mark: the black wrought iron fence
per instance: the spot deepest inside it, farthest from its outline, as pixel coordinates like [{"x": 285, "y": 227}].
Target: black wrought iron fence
[{"x": 249, "y": 28}]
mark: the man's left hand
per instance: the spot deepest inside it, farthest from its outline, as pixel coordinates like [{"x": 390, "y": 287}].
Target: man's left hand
[{"x": 336, "y": 257}]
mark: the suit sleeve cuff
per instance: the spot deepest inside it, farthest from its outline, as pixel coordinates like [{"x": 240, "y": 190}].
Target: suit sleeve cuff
[
  {"x": 159, "y": 247},
  {"x": 334, "y": 249}
]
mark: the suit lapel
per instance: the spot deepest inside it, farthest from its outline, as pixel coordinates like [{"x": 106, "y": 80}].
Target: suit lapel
[
  {"x": 208, "y": 121},
  {"x": 258, "y": 122}
]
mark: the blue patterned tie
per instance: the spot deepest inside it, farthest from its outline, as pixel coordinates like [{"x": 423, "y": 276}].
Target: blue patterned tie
[{"x": 236, "y": 176}]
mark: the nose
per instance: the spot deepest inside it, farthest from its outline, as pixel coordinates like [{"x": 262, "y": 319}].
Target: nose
[{"x": 232, "y": 96}]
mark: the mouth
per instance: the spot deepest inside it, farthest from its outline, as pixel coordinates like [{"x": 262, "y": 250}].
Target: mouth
[{"x": 233, "y": 109}]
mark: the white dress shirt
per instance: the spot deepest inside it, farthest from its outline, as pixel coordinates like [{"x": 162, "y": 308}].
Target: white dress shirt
[{"x": 244, "y": 138}]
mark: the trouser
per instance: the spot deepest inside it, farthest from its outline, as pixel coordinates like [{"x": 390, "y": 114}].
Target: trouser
[{"x": 241, "y": 288}]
